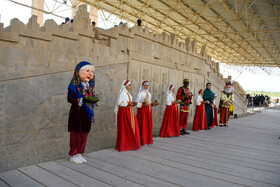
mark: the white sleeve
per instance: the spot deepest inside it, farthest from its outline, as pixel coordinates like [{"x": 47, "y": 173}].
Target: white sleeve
[
  {"x": 139, "y": 100},
  {"x": 198, "y": 100},
  {"x": 123, "y": 99},
  {"x": 80, "y": 101},
  {"x": 169, "y": 100}
]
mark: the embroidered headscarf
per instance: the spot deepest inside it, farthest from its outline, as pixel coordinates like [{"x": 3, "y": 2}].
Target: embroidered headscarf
[
  {"x": 77, "y": 87},
  {"x": 142, "y": 86},
  {"x": 170, "y": 89}
]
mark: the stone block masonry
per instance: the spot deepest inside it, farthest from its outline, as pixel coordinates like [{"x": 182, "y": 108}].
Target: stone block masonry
[{"x": 37, "y": 64}]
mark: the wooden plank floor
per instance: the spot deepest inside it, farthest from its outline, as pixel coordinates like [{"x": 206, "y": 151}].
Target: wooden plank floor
[{"x": 245, "y": 154}]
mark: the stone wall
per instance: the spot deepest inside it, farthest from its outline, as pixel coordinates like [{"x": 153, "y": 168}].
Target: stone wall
[{"x": 36, "y": 66}]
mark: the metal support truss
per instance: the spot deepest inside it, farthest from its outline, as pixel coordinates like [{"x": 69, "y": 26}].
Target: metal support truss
[
  {"x": 236, "y": 32},
  {"x": 275, "y": 71},
  {"x": 58, "y": 8}
]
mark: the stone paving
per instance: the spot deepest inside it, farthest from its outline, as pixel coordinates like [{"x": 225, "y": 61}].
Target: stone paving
[{"x": 247, "y": 153}]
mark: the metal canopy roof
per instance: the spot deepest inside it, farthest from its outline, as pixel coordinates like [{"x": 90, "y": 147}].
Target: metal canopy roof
[{"x": 236, "y": 32}]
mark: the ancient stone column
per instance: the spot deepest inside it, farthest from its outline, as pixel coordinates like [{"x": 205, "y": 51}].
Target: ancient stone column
[
  {"x": 39, "y": 5},
  {"x": 93, "y": 12},
  {"x": 93, "y": 15}
]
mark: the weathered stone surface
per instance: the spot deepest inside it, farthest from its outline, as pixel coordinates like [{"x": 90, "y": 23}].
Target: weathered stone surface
[{"x": 37, "y": 63}]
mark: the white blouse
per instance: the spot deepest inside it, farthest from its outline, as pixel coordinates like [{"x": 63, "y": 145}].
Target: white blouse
[
  {"x": 85, "y": 85},
  {"x": 141, "y": 98},
  {"x": 169, "y": 98},
  {"x": 199, "y": 100},
  {"x": 125, "y": 97}
]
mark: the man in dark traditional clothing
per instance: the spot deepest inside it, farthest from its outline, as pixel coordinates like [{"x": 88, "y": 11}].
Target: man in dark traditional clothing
[
  {"x": 227, "y": 98},
  {"x": 262, "y": 99},
  {"x": 208, "y": 97},
  {"x": 185, "y": 96}
]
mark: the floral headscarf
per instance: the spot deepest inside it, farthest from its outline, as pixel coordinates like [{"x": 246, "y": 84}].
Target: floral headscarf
[{"x": 79, "y": 90}]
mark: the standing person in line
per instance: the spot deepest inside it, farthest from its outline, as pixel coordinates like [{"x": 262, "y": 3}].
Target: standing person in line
[
  {"x": 184, "y": 95},
  {"x": 227, "y": 98},
  {"x": 215, "y": 110},
  {"x": 209, "y": 97},
  {"x": 170, "y": 123},
  {"x": 93, "y": 24},
  {"x": 145, "y": 114},
  {"x": 139, "y": 22},
  {"x": 67, "y": 21},
  {"x": 128, "y": 137},
  {"x": 81, "y": 113},
  {"x": 200, "y": 119}
]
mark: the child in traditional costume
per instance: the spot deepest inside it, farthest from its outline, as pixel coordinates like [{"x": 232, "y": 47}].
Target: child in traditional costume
[
  {"x": 170, "y": 123},
  {"x": 215, "y": 110},
  {"x": 145, "y": 114},
  {"x": 81, "y": 113},
  {"x": 200, "y": 119},
  {"x": 128, "y": 137}
]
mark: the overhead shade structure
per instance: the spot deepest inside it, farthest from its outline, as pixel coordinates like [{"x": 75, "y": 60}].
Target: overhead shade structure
[{"x": 236, "y": 32}]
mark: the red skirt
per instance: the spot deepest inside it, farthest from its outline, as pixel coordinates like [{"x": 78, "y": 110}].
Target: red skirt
[
  {"x": 224, "y": 115},
  {"x": 128, "y": 137},
  {"x": 170, "y": 123},
  {"x": 145, "y": 120},
  {"x": 215, "y": 119},
  {"x": 200, "y": 119}
]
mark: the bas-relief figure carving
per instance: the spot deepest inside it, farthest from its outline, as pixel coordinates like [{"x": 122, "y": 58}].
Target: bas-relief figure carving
[{"x": 36, "y": 65}]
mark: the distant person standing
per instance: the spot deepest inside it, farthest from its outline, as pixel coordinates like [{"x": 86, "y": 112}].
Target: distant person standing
[
  {"x": 257, "y": 100},
  {"x": 67, "y": 21},
  {"x": 262, "y": 99},
  {"x": 139, "y": 22},
  {"x": 248, "y": 97},
  {"x": 93, "y": 24}
]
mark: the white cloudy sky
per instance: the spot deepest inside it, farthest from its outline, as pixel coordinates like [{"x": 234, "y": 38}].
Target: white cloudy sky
[{"x": 248, "y": 80}]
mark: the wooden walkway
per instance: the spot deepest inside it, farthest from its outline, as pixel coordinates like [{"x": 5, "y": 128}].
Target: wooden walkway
[{"x": 245, "y": 154}]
